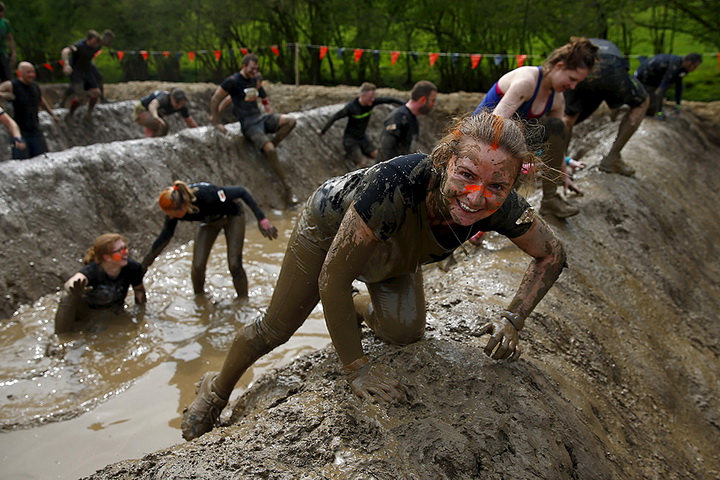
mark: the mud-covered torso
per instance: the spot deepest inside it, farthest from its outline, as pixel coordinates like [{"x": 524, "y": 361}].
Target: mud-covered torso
[
  {"x": 391, "y": 198},
  {"x": 106, "y": 291}
]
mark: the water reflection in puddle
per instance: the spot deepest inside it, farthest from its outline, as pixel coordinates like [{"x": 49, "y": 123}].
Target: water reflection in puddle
[{"x": 122, "y": 384}]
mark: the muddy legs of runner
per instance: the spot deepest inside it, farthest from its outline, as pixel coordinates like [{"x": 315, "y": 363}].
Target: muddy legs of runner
[
  {"x": 235, "y": 239},
  {"x": 204, "y": 240},
  {"x": 552, "y": 203},
  {"x": 612, "y": 162},
  {"x": 272, "y": 156},
  {"x": 287, "y": 124}
]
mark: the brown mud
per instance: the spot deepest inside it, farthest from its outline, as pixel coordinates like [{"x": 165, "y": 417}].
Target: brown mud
[{"x": 619, "y": 376}]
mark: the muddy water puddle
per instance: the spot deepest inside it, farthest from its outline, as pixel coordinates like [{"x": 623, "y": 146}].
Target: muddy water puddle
[
  {"x": 116, "y": 390},
  {"x": 73, "y": 404}
]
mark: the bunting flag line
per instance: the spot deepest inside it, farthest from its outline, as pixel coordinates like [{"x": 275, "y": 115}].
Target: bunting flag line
[
  {"x": 144, "y": 54},
  {"x": 323, "y": 52},
  {"x": 433, "y": 58},
  {"x": 394, "y": 55},
  {"x": 475, "y": 60},
  {"x": 357, "y": 54},
  {"x": 520, "y": 60}
]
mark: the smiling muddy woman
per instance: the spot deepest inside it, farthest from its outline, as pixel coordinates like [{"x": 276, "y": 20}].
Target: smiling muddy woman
[{"x": 381, "y": 225}]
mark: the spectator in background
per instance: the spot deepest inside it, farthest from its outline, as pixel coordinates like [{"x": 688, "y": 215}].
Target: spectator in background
[
  {"x": 8, "y": 55},
  {"x": 26, "y": 98},
  {"x": 150, "y": 110},
  {"x": 243, "y": 89},
  {"x": 358, "y": 146},
  {"x": 77, "y": 62},
  {"x": 609, "y": 81},
  {"x": 658, "y": 73},
  {"x": 401, "y": 126}
]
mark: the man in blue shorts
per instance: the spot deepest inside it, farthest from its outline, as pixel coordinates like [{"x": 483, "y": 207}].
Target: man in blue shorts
[{"x": 609, "y": 81}]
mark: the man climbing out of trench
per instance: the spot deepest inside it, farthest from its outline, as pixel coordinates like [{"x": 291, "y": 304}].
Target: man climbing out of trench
[
  {"x": 243, "y": 89},
  {"x": 379, "y": 225},
  {"x": 608, "y": 81}
]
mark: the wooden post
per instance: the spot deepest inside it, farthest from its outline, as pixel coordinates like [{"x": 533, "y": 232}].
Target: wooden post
[{"x": 297, "y": 64}]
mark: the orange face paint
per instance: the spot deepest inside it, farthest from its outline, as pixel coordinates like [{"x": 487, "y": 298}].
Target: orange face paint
[{"x": 478, "y": 188}]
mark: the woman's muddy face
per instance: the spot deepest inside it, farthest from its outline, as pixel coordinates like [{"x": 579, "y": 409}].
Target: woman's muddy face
[{"x": 477, "y": 182}]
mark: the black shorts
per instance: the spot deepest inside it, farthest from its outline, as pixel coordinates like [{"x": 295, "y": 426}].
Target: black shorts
[
  {"x": 365, "y": 145},
  {"x": 257, "y": 127},
  {"x": 83, "y": 81},
  {"x": 611, "y": 83}
]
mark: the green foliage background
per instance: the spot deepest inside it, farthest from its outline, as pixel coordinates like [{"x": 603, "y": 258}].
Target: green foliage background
[{"x": 640, "y": 27}]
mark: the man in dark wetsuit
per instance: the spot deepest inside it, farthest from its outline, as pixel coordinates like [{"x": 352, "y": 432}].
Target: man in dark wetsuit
[
  {"x": 401, "y": 126},
  {"x": 77, "y": 62},
  {"x": 658, "y": 73},
  {"x": 26, "y": 97},
  {"x": 609, "y": 81},
  {"x": 244, "y": 88},
  {"x": 215, "y": 208},
  {"x": 358, "y": 147},
  {"x": 150, "y": 110},
  {"x": 8, "y": 54}
]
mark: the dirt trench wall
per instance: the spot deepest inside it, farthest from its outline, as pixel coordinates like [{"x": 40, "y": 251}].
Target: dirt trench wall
[{"x": 52, "y": 207}]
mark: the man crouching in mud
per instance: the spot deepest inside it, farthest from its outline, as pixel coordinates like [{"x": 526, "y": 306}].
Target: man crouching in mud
[{"x": 380, "y": 225}]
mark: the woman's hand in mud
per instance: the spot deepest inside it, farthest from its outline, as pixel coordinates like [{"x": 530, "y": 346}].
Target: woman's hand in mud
[
  {"x": 79, "y": 287},
  {"x": 503, "y": 343},
  {"x": 372, "y": 384},
  {"x": 568, "y": 184},
  {"x": 267, "y": 229}
]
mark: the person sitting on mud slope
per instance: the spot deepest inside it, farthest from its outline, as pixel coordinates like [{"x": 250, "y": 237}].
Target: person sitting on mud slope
[
  {"x": 401, "y": 129},
  {"x": 102, "y": 283},
  {"x": 150, "y": 110},
  {"x": 529, "y": 93},
  {"x": 244, "y": 88},
  {"x": 77, "y": 62},
  {"x": 380, "y": 225},
  {"x": 662, "y": 70},
  {"x": 610, "y": 81},
  {"x": 216, "y": 208},
  {"x": 358, "y": 146}
]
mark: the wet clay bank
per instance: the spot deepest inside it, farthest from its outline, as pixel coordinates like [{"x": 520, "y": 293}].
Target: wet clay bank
[{"x": 619, "y": 377}]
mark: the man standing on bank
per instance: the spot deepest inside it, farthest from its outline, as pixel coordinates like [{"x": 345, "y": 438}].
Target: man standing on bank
[
  {"x": 26, "y": 98},
  {"x": 243, "y": 89},
  {"x": 401, "y": 126}
]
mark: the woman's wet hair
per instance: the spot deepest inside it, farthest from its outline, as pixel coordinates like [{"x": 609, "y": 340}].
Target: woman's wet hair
[
  {"x": 579, "y": 53},
  {"x": 103, "y": 245},
  {"x": 500, "y": 133},
  {"x": 177, "y": 197}
]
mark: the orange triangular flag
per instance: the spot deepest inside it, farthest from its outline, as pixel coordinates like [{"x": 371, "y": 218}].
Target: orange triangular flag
[
  {"x": 120, "y": 55},
  {"x": 144, "y": 54},
  {"x": 520, "y": 60},
  {"x": 191, "y": 56},
  {"x": 358, "y": 53},
  {"x": 167, "y": 54},
  {"x": 433, "y": 58},
  {"x": 217, "y": 53},
  {"x": 323, "y": 52},
  {"x": 475, "y": 60},
  {"x": 394, "y": 57},
  {"x": 275, "y": 50}
]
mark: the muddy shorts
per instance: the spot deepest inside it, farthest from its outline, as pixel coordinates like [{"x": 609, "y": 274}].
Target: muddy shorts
[
  {"x": 138, "y": 110},
  {"x": 612, "y": 83},
  {"x": 83, "y": 81},
  {"x": 351, "y": 144},
  {"x": 257, "y": 127}
]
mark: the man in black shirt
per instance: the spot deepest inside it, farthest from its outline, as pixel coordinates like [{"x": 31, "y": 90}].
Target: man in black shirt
[
  {"x": 401, "y": 126},
  {"x": 243, "y": 89},
  {"x": 608, "y": 81},
  {"x": 77, "y": 63},
  {"x": 26, "y": 97},
  {"x": 358, "y": 146},
  {"x": 662, "y": 70},
  {"x": 150, "y": 110}
]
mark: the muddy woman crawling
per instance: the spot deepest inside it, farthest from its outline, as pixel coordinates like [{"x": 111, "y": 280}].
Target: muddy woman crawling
[
  {"x": 380, "y": 225},
  {"x": 101, "y": 284}
]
